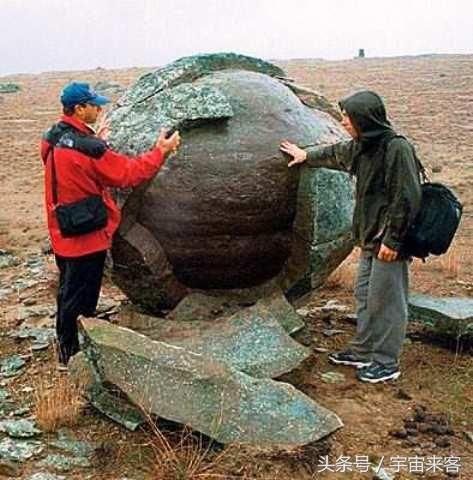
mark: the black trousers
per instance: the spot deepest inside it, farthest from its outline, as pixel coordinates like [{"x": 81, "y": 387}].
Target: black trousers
[{"x": 80, "y": 279}]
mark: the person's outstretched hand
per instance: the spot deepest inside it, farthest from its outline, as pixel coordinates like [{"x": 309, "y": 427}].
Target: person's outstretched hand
[
  {"x": 168, "y": 145},
  {"x": 103, "y": 130},
  {"x": 298, "y": 155}
]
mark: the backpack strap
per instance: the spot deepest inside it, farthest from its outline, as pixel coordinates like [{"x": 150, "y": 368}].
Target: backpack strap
[
  {"x": 66, "y": 136},
  {"x": 53, "y": 136}
]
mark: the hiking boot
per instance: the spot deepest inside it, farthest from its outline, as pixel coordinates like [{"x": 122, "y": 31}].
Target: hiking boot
[
  {"x": 377, "y": 372},
  {"x": 348, "y": 357}
]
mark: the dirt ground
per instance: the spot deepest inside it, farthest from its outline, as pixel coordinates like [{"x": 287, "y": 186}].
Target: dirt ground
[{"x": 430, "y": 99}]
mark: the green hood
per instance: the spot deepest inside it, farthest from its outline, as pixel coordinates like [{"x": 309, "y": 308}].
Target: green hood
[{"x": 367, "y": 112}]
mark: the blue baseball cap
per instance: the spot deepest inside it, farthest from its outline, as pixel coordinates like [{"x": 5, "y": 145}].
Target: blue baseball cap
[{"x": 78, "y": 92}]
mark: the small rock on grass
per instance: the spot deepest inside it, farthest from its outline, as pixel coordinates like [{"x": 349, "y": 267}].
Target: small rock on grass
[
  {"x": 333, "y": 377},
  {"x": 63, "y": 463},
  {"x": 11, "y": 366},
  {"x": 468, "y": 436},
  {"x": 19, "y": 450},
  {"x": 46, "y": 476},
  {"x": 22, "y": 428}
]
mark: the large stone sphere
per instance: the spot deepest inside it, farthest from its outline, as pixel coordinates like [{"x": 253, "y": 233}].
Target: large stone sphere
[{"x": 221, "y": 213}]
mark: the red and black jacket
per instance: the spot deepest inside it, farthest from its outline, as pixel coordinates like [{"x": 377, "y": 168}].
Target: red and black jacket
[{"x": 86, "y": 166}]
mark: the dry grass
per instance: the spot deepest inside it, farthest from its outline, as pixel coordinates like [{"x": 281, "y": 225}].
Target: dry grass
[
  {"x": 57, "y": 405},
  {"x": 185, "y": 456}
]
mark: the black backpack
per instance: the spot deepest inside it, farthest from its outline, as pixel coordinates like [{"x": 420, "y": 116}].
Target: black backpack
[{"x": 435, "y": 225}]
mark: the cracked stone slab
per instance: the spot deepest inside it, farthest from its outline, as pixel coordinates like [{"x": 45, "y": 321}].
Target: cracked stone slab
[
  {"x": 209, "y": 396},
  {"x": 212, "y": 305},
  {"x": 251, "y": 340}
]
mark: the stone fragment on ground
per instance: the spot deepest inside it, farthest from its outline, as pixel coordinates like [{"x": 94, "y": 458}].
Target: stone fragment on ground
[
  {"x": 252, "y": 340},
  {"x": 4, "y": 394},
  {"x": 209, "y": 396},
  {"x": 284, "y": 312},
  {"x": 76, "y": 453},
  {"x": 25, "y": 312},
  {"x": 41, "y": 337},
  {"x": 68, "y": 442},
  {"x": 46, "y": 476},
  {"x": 63, "y": 463},
  {"x": 21, "y": 411},
  {"x": 7, "y": 408},
  {"x": 331, "y": 306},
  {"x": 450, "y": 316},
  {"x": 19, "y": 450},
  {"x": 11, "y": 366},
  {"x": 7, "y": 259},
  {"x": 22, "y": 428},
  {"x": 107, "y": 307},
  {"x": 201, "y": 306},
  {"x": 333, "y": 377}
]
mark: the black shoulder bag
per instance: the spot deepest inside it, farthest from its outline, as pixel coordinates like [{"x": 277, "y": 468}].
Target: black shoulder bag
[
  {"x": 437, "y": 221},
  {"x": 81, "y": 217}
]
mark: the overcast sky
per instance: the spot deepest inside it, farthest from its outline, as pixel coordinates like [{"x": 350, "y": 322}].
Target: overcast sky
[{"x": 45, "y": 35}]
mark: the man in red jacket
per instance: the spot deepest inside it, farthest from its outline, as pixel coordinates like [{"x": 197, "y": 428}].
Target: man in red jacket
[{"x": 80, "y": 165}]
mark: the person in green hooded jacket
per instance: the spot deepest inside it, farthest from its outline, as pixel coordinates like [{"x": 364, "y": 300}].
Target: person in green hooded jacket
[{"x": 388, "y": 196}]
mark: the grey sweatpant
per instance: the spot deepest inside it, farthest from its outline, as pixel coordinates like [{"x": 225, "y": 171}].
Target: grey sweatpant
[{"x": 381, "y": 293}]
